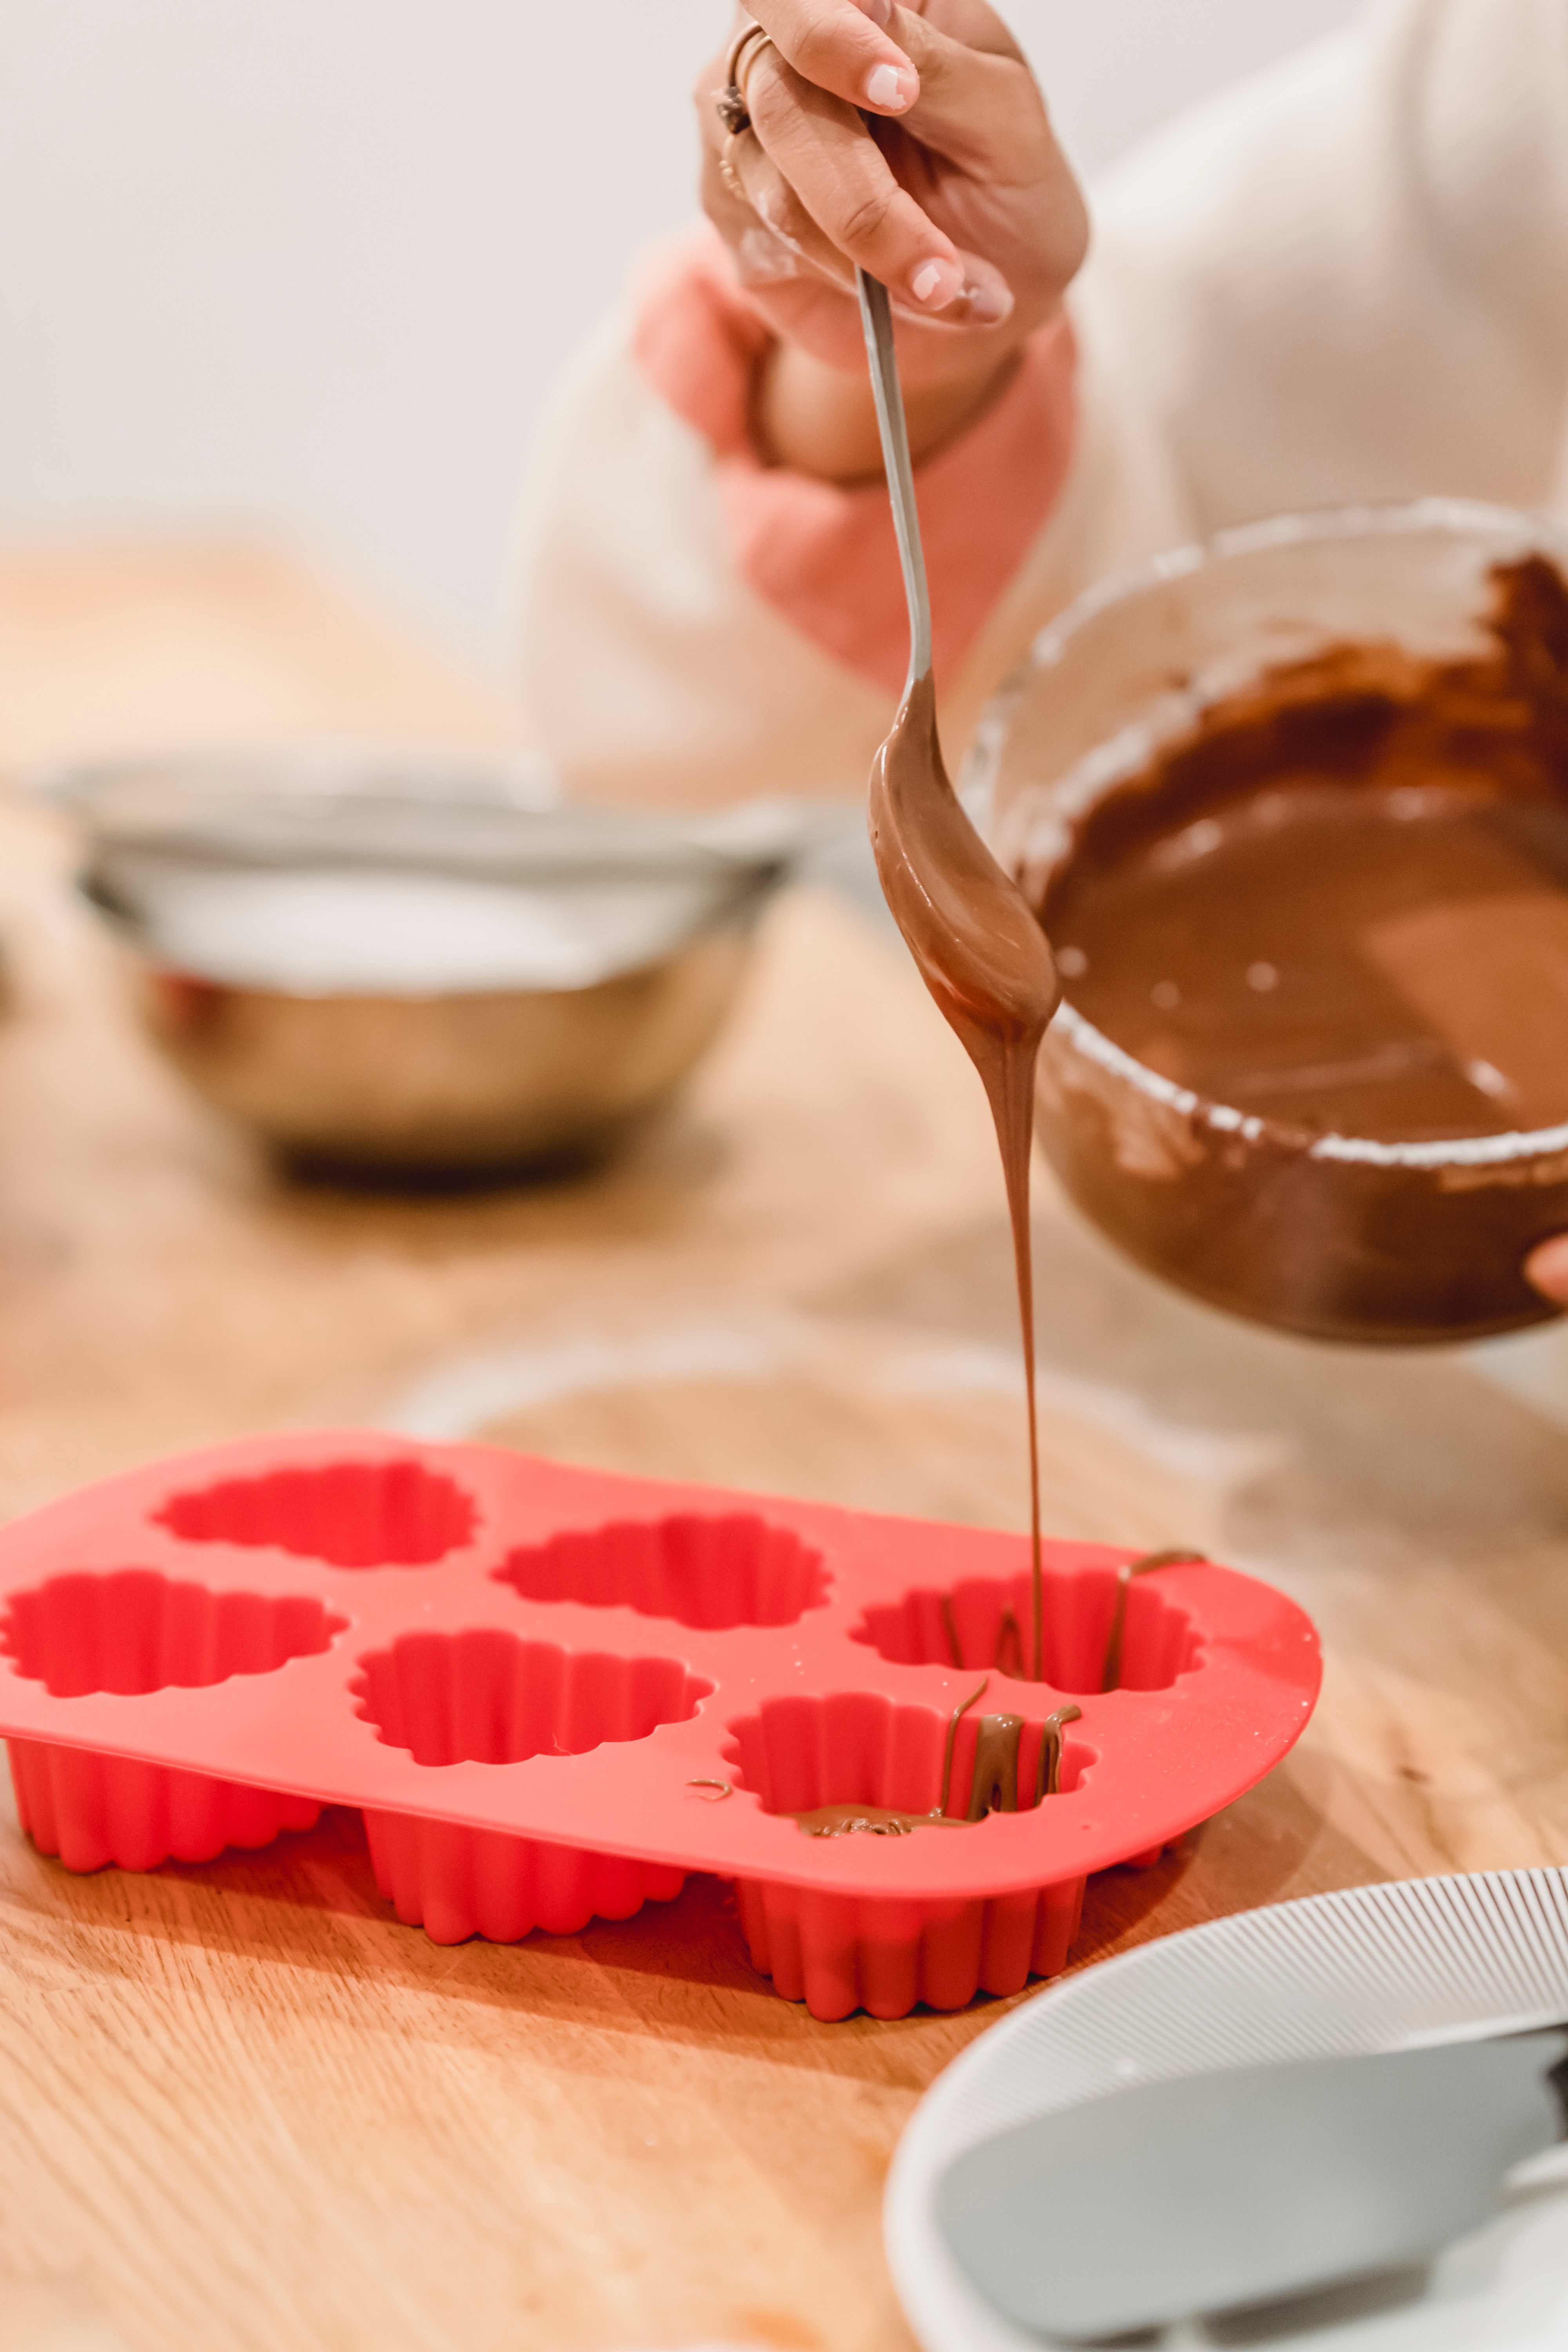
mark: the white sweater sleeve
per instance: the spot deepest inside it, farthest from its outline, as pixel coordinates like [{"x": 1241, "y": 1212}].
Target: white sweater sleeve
[
  {"x": 650, "y": 671},
  {"x": 1348, "y": 280},
  {"x": 1345, "y": 281}
]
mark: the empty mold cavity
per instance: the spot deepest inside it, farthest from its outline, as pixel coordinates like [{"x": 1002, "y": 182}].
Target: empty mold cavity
[
  {"x": 353, "y": 1514},
  {"x": 858, "y": 1748},
  {"x": 968, "y": 1626},
  {"x": 488, "y": 1697},
  {"x": 710, "y": 1574},
  {"x": 133, "y": 1631}
]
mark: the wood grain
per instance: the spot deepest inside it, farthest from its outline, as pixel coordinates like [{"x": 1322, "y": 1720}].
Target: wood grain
[{"x": 240, "y": 2106}]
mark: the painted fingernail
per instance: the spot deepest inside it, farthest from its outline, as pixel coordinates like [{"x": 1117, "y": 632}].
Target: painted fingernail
[
  {"x": 935, "y": 283},
  {"x": 880, "y": 11},
  {"x": 892, "y": 87}
]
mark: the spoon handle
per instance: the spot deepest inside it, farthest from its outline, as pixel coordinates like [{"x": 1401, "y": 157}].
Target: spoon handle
[{"x": 877, "y": 317}]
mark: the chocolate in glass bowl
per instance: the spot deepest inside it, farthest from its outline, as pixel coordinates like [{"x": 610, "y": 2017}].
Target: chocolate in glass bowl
[{"x": 1294, "y": 808}]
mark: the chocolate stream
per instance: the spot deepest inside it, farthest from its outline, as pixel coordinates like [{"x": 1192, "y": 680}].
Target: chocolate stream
[{"x": 973, "y": 936}]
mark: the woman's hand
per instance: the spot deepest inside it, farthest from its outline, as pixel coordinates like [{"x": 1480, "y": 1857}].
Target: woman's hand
[{"x": 954, "y": 194}]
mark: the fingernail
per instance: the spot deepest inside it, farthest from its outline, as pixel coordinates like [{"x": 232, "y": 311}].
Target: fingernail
[
  {"x": 935, "y": 283},
  {"x": 880, "y": 12},
  {"x": 892, "y": 87},
  {"x": 989, "y": 299}
]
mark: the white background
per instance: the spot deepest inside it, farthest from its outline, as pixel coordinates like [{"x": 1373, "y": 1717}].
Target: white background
[{"x": 306, "y": 267}]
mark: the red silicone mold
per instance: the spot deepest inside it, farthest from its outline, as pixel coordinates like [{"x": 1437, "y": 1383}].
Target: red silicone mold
[{"x": 553, "y": 1693}]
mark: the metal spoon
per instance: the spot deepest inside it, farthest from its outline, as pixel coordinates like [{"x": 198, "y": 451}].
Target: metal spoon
[{"x": 877, "y": 317}]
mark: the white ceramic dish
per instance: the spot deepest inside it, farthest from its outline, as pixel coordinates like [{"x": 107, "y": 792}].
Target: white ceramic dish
[{"x": 1378, "y": 1967}]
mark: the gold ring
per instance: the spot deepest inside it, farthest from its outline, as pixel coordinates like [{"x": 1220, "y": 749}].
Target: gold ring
[{"x": 729, "y": 102}]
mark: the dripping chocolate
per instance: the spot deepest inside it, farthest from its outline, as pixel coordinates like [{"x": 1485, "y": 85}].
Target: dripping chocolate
[{"x": 994, "y": 1786}]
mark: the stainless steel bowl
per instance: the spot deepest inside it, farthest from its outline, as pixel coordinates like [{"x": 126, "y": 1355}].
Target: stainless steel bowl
[{"x": 398, "y": 966}]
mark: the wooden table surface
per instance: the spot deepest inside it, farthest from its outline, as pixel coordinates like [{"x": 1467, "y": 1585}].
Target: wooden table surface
[{"x": 239, "y": 2105}]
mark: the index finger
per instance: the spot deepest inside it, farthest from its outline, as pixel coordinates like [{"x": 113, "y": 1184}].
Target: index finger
[{"x": 842, "y": 48}]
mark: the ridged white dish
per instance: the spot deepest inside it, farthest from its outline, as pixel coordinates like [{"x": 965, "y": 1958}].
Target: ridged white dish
[{"x": 1376, "y": 1968}]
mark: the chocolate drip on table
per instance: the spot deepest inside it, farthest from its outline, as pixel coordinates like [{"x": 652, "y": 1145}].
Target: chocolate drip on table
[{"x": 984, "y": 957}]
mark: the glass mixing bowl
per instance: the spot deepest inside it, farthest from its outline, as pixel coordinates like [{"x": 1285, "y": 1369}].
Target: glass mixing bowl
[{"x": 1337, "y": 1236}]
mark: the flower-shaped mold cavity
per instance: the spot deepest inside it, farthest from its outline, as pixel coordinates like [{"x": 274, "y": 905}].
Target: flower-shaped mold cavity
[
  {"x": 972, "y": 1625},
  {"x": 351, "y": 1514},
  {"x": 842, "y": 1952},
  {"x": 488, "y": 1697},
  {"x": 133, "y": 1632},
  {"x": 711, "y": 1574},
  {"x": 858, "y": 1748}
]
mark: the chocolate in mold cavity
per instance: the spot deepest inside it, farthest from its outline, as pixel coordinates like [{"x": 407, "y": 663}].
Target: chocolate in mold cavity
[
  {"x": 1048, "y": 1773},
  {"x": 995, "y": 1788},
  {"x": 1009, "y": 1657},
  {"x": 986, "y": 960},
  {"x": 868, "y": 1820},
  {"x": 1111, "y": 1672},
  {"x": 1340, "y": 903},
  {"x": 876, "y": 1821},
  {"x": 994, "y": 1785}
]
